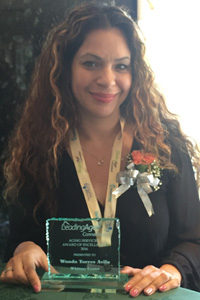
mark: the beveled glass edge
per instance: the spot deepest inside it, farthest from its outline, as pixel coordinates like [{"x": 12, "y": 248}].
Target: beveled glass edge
[{"x": 81, "y": 219}]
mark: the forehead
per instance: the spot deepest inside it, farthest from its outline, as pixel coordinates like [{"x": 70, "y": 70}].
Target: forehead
[{"x": 105, "y": 43}]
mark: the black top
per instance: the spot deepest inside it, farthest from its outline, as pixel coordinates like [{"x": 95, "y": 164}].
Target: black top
[{"x": 171, "y": 235}]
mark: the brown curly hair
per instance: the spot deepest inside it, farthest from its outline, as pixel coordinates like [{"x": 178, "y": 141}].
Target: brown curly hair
[{"x": 51, "y": 109}]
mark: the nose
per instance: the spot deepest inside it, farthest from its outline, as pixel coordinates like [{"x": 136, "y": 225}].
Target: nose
[{"x": 106, "y": 77}]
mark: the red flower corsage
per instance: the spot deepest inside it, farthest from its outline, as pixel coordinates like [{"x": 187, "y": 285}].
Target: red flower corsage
[{"x": 142, "y": 171}]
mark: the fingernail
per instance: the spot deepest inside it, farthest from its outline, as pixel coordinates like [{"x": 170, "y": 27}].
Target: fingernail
[
  {"x": 162, "y": 288},
  {"x": 134, "y": 292},
  {"x": 149, "y": 291},
  {"x": 127, "y": 287},
  {"x": 36, "y": 288}
]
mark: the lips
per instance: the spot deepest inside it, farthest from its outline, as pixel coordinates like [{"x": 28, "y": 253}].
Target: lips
[{"x": 104, "y": 97}]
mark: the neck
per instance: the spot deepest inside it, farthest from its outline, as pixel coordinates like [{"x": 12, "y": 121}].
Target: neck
[{"x": 98, "y": 129}]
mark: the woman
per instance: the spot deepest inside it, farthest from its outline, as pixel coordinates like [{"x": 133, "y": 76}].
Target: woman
[{"x": 91, "y": 82}]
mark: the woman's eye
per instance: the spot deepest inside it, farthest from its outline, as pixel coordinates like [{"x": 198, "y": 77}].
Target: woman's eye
[
  {"x": 90, "y": 64},
  {"x": 122, "y": 67}
]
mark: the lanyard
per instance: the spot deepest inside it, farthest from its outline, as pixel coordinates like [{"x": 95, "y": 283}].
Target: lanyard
[{"x": 103, "y": 233}]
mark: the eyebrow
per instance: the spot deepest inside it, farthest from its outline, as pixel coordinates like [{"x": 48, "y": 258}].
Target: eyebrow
[{"x": 99, "y": 58}]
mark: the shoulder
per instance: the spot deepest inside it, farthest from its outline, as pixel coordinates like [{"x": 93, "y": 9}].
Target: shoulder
[{"x": 178, "y": 144}]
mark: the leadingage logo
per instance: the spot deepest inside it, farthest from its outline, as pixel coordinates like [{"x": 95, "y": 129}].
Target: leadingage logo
[{"x": 79, "y": 227}]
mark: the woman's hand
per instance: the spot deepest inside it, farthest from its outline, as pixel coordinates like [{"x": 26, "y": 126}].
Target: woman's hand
[
  {"x": 150, "y": 279},
  {"x": 21, "y": 268}
]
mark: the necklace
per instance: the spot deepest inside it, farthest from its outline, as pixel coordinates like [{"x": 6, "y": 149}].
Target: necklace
[{"x": 99, "y": 162}]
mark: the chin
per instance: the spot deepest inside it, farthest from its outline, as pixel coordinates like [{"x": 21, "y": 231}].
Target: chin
[
  {"x": 100, "y": 112},
  {"x": 106, "y": 114}
]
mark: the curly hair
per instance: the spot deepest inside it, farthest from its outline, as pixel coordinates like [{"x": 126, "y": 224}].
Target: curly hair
[{"x": 50, "y": 111}]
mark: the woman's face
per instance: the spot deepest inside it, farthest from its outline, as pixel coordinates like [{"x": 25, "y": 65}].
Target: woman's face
[{"x": 101, "y": 73}]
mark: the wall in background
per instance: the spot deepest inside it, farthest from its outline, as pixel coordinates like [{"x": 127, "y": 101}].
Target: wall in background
[{"x": 171, "y": 30}]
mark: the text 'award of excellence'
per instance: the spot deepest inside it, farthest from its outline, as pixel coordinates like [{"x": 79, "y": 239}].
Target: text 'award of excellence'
[{"x": 83, "y": 254}]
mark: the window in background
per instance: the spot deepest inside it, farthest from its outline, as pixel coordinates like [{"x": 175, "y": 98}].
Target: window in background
[{"x": 171, "y": 30}]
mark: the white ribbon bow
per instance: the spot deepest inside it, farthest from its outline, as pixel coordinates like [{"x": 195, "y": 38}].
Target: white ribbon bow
[{"x": 145, "y": 181}]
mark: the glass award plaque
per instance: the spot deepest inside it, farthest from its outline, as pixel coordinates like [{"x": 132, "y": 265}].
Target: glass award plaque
[{"x": 83, "y": 254}]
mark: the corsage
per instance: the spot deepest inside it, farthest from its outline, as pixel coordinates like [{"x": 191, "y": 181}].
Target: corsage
[{"x": 142, "y": 171}]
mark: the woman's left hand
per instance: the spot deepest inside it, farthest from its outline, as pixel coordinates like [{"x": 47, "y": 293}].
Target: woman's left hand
[{"x": 151, "y": 279}]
